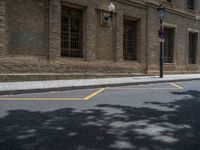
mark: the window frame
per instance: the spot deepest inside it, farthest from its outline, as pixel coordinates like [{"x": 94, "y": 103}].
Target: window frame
[
  {"x": 174, "y": 26},
  {"x": 170, "y": 48},
  {"x": 70, "y": 49},
  {"x": 194, "y": 31},
  {"x": 134, "y": 22},
  {"x": 192, "y": 6}
]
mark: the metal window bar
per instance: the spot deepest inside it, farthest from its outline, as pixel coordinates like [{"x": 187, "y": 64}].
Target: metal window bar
[
  {"x": 71, "y": 32},
  {"x": 192, "y": 48},
  {"x": 130, "y": 40},
  {"x": 169, "y": 45}
]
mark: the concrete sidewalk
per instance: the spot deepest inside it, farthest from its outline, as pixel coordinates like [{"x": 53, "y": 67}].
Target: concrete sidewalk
[{"x": 10, "y": 88}]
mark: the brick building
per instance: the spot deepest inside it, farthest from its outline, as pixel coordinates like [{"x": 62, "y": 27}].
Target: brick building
[{"x": 73, "y": 36}]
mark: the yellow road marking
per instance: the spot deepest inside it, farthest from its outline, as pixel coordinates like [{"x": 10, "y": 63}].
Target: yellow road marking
[
  {"x": 53, "y": 99},
  {"x": 177, "y": 86},
  {"x": 94, "y": 94},
  {"x": 41, "y": 99},
  {"x": 141, "y": 88}
]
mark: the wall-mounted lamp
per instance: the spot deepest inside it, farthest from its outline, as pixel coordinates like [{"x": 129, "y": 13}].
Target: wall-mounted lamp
[
  {"x": 197, "y": 18},
  {"x": 111, "y": 9}
]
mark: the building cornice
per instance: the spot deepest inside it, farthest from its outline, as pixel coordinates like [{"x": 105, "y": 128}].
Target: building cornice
[
  {"x": 174, "y": 10},
  {"x": 192, "y": 14},
  {"x": 133, "y": 3}
]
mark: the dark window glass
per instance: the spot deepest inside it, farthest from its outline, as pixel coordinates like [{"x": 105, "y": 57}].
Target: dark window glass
[
  {"x": 169, "y": 45},
  {"x": 192, "y": 48},
  {"x": 130, "y": 40},
  {"x": 190, "y": 4},
  {"x": 71, "y": 32}
]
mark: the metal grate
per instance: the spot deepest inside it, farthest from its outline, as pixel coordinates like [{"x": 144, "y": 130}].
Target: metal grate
[
  {"x": 130, "y": 40},
  {"x": 192, "y": 47},
  {"x": 71, "y": 32},
  {"x": 169, "y": 45}
]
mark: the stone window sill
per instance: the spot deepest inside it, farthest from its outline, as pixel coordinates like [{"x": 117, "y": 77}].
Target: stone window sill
[
  {"x": 170, "y": 64},
  {"x": 131, "y": 61},
  {"x": 191, "y": 11},
  {"x": 193, "y": 65}
]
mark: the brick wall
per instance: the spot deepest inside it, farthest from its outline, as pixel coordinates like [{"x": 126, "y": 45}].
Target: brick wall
[
  {"x": 3, "y": 47},
  {"x": 33, "y": 28},
  {"x": 25, "y": 26},
  {"x": 139, "y": 14}
]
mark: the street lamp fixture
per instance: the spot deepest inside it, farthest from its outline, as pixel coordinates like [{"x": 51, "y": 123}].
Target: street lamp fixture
[
  {"x": 111, "y": 9},
  {"x": 161, "y": 11},
  {"x": 162, "y": 36}
]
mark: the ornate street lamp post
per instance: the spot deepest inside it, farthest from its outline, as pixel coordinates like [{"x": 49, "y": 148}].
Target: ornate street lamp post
[{"x": 162, "y": 35}]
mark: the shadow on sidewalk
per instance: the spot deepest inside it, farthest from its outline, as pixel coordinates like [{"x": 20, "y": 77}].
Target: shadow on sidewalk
[{"x": 129, "y": 127}]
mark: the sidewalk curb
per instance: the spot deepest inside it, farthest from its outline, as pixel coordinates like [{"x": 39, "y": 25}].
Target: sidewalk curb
[{"x": 28, "y": 91}]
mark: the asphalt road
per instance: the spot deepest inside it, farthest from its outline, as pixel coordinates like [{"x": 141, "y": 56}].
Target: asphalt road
[{"x": 146, "y": 117}]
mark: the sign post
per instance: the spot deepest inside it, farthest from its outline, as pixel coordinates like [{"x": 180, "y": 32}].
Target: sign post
[{"x": 162, "y": 35}]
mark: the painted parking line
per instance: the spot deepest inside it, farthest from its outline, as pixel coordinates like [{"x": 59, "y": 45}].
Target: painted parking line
[
  {"x": 94, "y": 94},
  {"x": 141, "y": 88},
  {"x": 148, "y": 87},
  {"x": 90, "y": 96},
  {"x": 177, "y": 86},
  {"x": 40, "y": 99}
]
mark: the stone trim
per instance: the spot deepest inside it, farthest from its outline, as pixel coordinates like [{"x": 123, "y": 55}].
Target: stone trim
[
  {"x": 3, "y": 37},
  {"x": 133, "y": 3},
  {"x": 119, "y": 36},
  {"x": 174, "y": 10},
  {"x": 191, "y": 30},
  {"x": 54, "y": 29},
  {"x": 169, "y": 25},
  {"x": 90, "y": 33},
  {"x": 46, "y": 30}
]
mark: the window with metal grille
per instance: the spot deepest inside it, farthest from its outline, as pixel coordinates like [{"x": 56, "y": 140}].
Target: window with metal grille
[
  {"x": 192, "y": 48},
  {"x": 71, "y": 39},
  {"x": 169, "y": 45},
  {"x": 130, "y": 40},
  {"x": 190, "y": 4}
]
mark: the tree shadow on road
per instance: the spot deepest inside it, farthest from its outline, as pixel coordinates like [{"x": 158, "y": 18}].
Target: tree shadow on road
[{"x": 107, "y": 127}]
